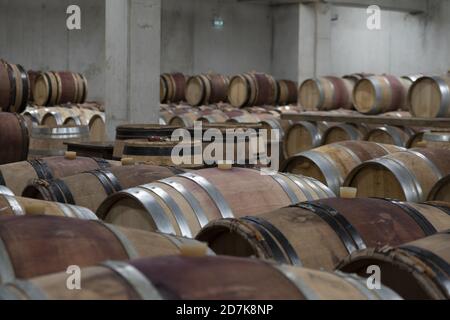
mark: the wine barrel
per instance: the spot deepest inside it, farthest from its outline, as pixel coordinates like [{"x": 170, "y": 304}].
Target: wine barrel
[
  {"x": 53, "y": 88},
  {"x": 429, "y": 97},
  {"x": 13, "y": 138},
  {"x": 418, "y": 270},
  {"x": 441, "y": 190},
  {"x": 287, "y": 92},
  {"x": 326, "y": 93},
  {"x": 11, "y": 205},
  {"x": 172, "y": 87},
  {"x": 252, "y": 89},
  {"x": 303, "y": 136},
  {"x": 60, "y": 242},
  {"x": 207, "y": 88},
  {"x": 344, "y": 132},
  {"x": 437, "y": 139},
  {"x": 16, "y": 175},
  {"x": 390, "y": 135},
  {"x": 90, "y": 188},
  {"x": 216, "y": 116},
  {"x": 160, "y": 152},
  {"x": 319, "y": 234},
  {"x": 185, "y": 203},
  {"x": 378, "y": 94},
  {"x": 407, "y": 175},
  {"x": 14, "y": 87},
  {"x": 139, "y": 131},
  {"x": 160, "y": 278},
  {"x": 331, "y": 164},
  {"x": 185, "y": 120},
  {"x": 49, "y": 141}
]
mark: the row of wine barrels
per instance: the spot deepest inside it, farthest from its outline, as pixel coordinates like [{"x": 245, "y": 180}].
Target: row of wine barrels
[
  {"x": 16, "y": 175},
  {"x": 437, "y": 139},
  {"x": 13, "y": 138},
  {"x": 14, "y": 87},
  {"x": 378, "y": 94},
  {"x": 11, "y": 205},
  {"x": 185, "y": 203},
  {"x": 172, "y": 87},
  {"x": 326, "y": 93},
  {"x": 418, "y": 270},
  {"x": 139, "y": 131},
  {"x": 49, "y": 141},
  {"x": 252, "y": 89},
  {"x": 53, "y": 88},
  {"x": 160, "y": 279},
  {"x": 406, "y": 175},
  {"x": 441, "y": 190},
  {"x": 207, "y": 88},
  {"x": 90, "y": 188},
  {"x": 390, "y": 135},
  {"x": 61, "y": 242},
  {"x": 319, "y": 234},
  {"x": 429, "y": 97},
  {"x": 332, "y": 163}
]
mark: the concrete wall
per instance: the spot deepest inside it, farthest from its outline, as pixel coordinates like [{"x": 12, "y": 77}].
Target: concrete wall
[
  {"x": 190, "y": 44},
  {"x": 33, "y": 33}
]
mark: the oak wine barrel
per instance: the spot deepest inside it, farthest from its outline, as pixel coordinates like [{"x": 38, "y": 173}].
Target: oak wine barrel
[
  {"x": 160, "y": 278},
  {"x": 303, "y": 136},
  {"x": 287, "y": 92},
  {"x": 418, "y": 270},
  {"x": 344, "y": 132},
  {"x": 185, "y": 203},
  {"x": 16, "y": 175},
  {"x": 326, "y": 93},
  {"x": 90, "y": 188},
  {"x": 378, "y": 94},
  {"x": 172, "y": 87},
  {"x": 319, "y": 234},
  {"x": 14, "y": 87},
  {"x": 252, "y": 89},
  {"x": 441, "y": 190},
  {"x": 60, "y": 242},
  {"x": 332, "y": 163},
  {"x": 407, "y": 175},
  {"x": 14, "y": 138},
  {"x": 429, "y": 97},
  {"x": 207, "y": 88},
  {"x": 390, "y": 135}
]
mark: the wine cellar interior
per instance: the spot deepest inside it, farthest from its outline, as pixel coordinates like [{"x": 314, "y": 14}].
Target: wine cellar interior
[{"x": 224, "y": 150}]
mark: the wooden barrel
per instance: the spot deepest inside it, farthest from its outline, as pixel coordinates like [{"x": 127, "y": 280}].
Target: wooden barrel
[
  {"x": 185, "y": 203},
  {"x": 418, "y": 270},
  {"x": 287, "y": 92},
  {"x": 14, "y": 138},
  {"x": 11, "y": 205},
  {"x": 207, "y": 88},
  {"x": 407, "y": 175},
  {"x": 326, "y": 93},
  {"x": 160, "y": 279},
  {"x": 252, "y": 89},
  {"x": 161, "y": 152},
  {"x": 53, "y": 88},
  {"x": 390, "y": 135},
  {"x": 303, "y": 136},
  {"x": 437, "y": 139},
  {"x": 332, "y": 163},
  {"x": 90, "y": 188},
  {"x": 14, "y": 87},
  {"x": 139, "y": 131},
  {"x": 216, "y": 116},
  {"x": 49, "y": 141},
  {"x": 60, "y": 242},
  {"x": 378, "y": 94},
  {"x": 172, "y": 87},
  {"x": 429, "y": 97},
  {"x": 16, "y": 175},
  {"x": 313, "y": 234},
  {"x": 441, "y": 190},
  {"x": 185, "y": 120},
  {"x": 344, "y": 132}
]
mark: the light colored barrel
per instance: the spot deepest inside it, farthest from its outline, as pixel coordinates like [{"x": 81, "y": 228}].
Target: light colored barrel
[
  {"x": 14, "y": 87},
  {"x": 252, "y": 89},
  {"x": 172, "y": 87},
  {"x": 288, "y": 92},
  {"x": 390, "y": 135},
  {"x": 344, "y": 132},
  {"x": 378, "y": 94},
  {"x": 429, "y": 97},
  {"x": 206, "y": 89},
  {"x": 303, "y": 136}
]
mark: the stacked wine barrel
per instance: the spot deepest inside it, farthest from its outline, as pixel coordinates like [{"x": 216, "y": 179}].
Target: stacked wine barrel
[
  {"x": 172, "y": 87},
  {"x": 14, "y": 87}
]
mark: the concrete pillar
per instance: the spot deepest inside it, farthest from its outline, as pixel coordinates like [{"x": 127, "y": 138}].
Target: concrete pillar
[{"x": 132, "y": 49}]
